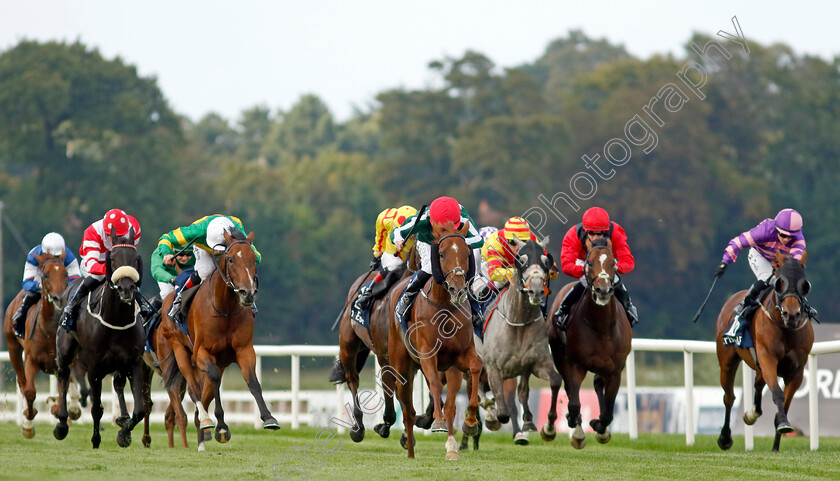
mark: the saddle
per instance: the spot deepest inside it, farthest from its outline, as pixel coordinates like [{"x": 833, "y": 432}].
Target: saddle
[
  {"x": 361, "y": 316},
  {"x": 738, "y": 333}
]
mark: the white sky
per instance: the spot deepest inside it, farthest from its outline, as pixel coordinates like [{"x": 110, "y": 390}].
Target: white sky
[{"x": 227, "y": 56}]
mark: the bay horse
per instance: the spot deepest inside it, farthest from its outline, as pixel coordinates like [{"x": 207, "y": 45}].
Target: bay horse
[
  {"x": 221, "y": 327},
  {"x": 597, "y": 340},
  {"x": 355, "y": 345},
  {"x": 38, "y": 344},
  {"x": 783, "y": 339},
  {"x": 516, "y": 342},
  {"x": 110, "y": 340},
  {"x": 439, "y": 336}
]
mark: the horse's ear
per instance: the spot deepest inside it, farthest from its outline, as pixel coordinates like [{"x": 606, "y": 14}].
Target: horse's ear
[
  {"x": 113, "y": 235},
  {"x": 228, "y": 237},
  {"x": 609, "y": 243},
  {"x": 250, "y": 237},
  {"x": 519, "y": 242},
  {"x": 40, "y": 258},
  {"x": 465, "y": 229},
  {"x": 802, "y": 259},
  {"x": 779, "y": 259},
  {"x": 131, "y": 235},
  {"x": 544, "y": 242},
  {"x": 62, "y": 256}
]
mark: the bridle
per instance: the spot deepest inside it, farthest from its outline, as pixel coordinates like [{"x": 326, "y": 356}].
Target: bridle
[
  {"x": 44, "y": 281},
  {"x": 225, "y": 275},
  {"x": 457, "y": 271},
  {"x": 122, "y": 271},
  {"x": 603, "y": 274}
]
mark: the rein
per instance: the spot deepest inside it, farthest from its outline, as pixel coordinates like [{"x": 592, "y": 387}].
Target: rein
[
  {"x": 223, "y": 273},
  {"x": 456, "y": 271},
  {"x": 603, "y": 274}
]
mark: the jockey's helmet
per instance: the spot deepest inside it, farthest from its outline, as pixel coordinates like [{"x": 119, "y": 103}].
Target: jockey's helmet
[
  {"x": 486, "y": 231},
  {"x": 52, "y": 244},
  {"x": 216, "y": 232},
  {"x": 596, "y": 219},
  {"x": 517, "y": 227},
  {"x": 118, "y": 219},
  {"x": 403, "y": 213},
  {"x": 445, "y": 209},
  {"x": 788, "y": 221}
]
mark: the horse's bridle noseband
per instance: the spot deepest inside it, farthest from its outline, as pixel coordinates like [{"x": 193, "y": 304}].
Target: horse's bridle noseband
[
  {"x": 603, "y": 274},
  {"x": 457, "y": 271},
  {"x": 224, "y": 272},
  {"x": 51, "y": 260}
]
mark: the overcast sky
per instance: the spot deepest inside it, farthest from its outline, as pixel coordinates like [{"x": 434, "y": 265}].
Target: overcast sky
[{"x": 226, "y": 56}]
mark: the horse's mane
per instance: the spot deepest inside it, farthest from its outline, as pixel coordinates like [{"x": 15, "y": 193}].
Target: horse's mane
[
  {"x": 599, "y": 242},
  {"x": 237, "y": 234}
]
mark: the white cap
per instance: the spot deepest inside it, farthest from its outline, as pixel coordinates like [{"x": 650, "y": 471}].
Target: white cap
[
  {"x": 53, "y": 244},
  {"x": 215, "y": 232}
]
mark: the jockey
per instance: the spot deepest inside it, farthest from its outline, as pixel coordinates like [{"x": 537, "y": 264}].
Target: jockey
[
  {"x": 385, "y": 256},
  {"x": 500, "y": 250},
  {"x": 207, "y": 235},
  {"x": 96, "y": 243},
  {"x": 596, "y": 223},
  {"x": 165, "y": 274},
  {"x": 51, "y": 245},
  {"x": 782, "y": 234},
  {"x": 443, "y": 210}
]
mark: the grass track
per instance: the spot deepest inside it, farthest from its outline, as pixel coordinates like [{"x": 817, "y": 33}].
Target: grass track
[{"x": 253, "y": 454}]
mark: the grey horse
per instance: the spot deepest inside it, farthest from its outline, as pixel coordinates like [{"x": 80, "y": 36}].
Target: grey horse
[{"x": 516, "y": 342}]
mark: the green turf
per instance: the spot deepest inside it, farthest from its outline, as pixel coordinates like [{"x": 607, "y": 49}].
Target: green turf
[{"x": 255, "y": 454}]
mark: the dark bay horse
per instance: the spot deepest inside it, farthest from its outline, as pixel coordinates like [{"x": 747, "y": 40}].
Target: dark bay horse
[
  {"x": 110, "y": 340},
  {"x": 39, "y": 341},
  {"x": 516, "y": 342},
  {"x": 439, "y": 336},
  {"x": 221, "y": 327},
  {"x": 783, "y": 339},
  {"x": 597, "y": 340}
]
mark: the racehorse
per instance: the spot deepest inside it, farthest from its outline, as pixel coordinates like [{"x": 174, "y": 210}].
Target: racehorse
[
  {"x": 783, "y": 339},
  {"x": 597, "y": 340},
  {"x": 355, "y": 344},
  {"x": 39, "y": 341},
  {"x": 110, "y": 340},
  {"x": 438, "y": 336},
  {"x": 221, "y": 331},
  {"x": 516, "y": 341}
]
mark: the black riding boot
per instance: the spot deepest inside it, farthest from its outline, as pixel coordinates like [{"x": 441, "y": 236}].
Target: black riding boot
[
  {"x": 477, "y": 320},
  {"x": 624, "y": 298},
  {"x": 71, "y": 310},
  {"x": 174, "y": 311},
  {"x": 746, "y": 309},
  {"x": 562, "y": 315},
  {"x": 368, "y": 295},
  {"x": 19, "y": 319},
  {"x": 407, "y": 299}
]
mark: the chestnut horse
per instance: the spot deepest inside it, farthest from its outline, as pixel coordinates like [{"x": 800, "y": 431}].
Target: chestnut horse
[
  {"x": 39, "y": 341},
  {"x": 221, "y": 326},
  {"x": 439, "y": 336},
  {"x": 597, "y": 340},
  {"x": 783, "y": 339},
  {"x": 175, "y": 414}
]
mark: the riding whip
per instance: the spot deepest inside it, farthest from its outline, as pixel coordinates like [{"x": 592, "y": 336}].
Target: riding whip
[{"x": 702, "y": 306}]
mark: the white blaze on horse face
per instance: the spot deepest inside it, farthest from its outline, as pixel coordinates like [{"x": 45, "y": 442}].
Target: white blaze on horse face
[
  {"x": 603, "y": 274},
  {"x": 250, "y": 277},
  {"x": 239, "y": 254}
]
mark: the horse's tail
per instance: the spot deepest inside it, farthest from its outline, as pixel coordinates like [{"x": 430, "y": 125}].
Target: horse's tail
[
  {"x": 172, "y": 377},
  {"x": 338, "y": 375}
]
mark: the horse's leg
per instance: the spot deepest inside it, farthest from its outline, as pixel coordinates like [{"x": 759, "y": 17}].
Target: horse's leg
[
  {"x": 728, "y": 360},
  {"x": 389, "y": 417},
  {"x": 573, "y": 375},
  {"x": 751, "y": 416},
  {"x": 404, "y": 393},
  {"x": 213, "y": 387},
  {"x": 429, "y": 366},
  {"x": 169, "y": 422},
  {"x": 347, "y": 356},
  {"x": 66, "y": 348},
  {"x": 607, "y": 394},
  {"x": 246, "y": 358},
  {"x": 769, "y": 366},
  {"x": 75, "y": 408},
  {"x": 184, "y": 359},
  {"x": 147, "y": 403},
  {"x": 472, "y": 423},
  {"x": 524, "y": 391},
  {"x": 96, "y": 409},
  {"x": 454, "y": 378},
  {"x": 138, "y": 377},
  {"x": 792, "y": 384},
  {"x": 509, "y": 392},
  {"x": 545, "y": 370},
  {"x": 81, "y": 379},
  {"x": 119, "y": 387},
  {"x": 175, "y": 401},
  {"x": 494, "y": 376},
  {"x": 29, "y": 394},
  {"x": 425, "y": 420}
]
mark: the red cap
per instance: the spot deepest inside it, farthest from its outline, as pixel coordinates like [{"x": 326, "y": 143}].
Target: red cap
[
  {"x": 445, "y": 209},
  {"x": 119, "y": 219},
  {"x": 596, "y": 219}
]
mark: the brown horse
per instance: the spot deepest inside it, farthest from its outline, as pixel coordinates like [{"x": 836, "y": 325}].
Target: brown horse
[
  {"x": 439, "y": 336},
  {"x": 597, "y": 340},
  {"x": 39, "y": 343},
  {"x": 783, "y": 339},
  {"x": 221, "y": 326}
]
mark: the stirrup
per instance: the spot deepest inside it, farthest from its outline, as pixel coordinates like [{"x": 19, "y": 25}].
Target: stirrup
[
  {"x": 176, "y": 306},
  {"x": 561, "y": 320}
]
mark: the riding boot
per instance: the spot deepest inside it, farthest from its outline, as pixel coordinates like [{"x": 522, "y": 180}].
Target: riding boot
[
  {"x": 19, "y": 319},
  {"x": 411, "y": 290},
  {"x": 562, "y": 315},
  {"x": 624, "y": 298},
  {"x": 477, "y": 319},
  {"x": 746, "y": 309},
  {"x": 367, "y": 296},
  {"x": 174, "y": 311},
  {"x": 71, "y": 310},
  {"x": 146, "y": 310}
]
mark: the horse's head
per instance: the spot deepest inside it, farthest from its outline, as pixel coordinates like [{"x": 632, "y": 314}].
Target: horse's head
[
  {"x": 123, "y": 266},
  {"x": 238, "y": 266},
  {"x": 53, "y": 277},
  {"x": 600, "y": 269},
  {"x": 452, "y": 260},
  {"x": 790, "y": 288},
  {"x": 532, "y": 269}
]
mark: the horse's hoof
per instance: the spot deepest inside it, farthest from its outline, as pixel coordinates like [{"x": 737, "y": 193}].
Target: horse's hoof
[
  {"x": 548, "y": 433},
  {"x": 453, "y": 456},
  {"x": 208, "y": 436},
  {"x": 121, "y": 421},
  {"x": 493, "y": 425},
  {"x": 784, "y": 428},
  {"x": 750, "y": 418},
  {"x": 521, "y": 439},
  {"x": 424, "y": 422},
  {"x": 75, "y": 412},
  {"x": 383, "y": 430},
  {"x": 577, "y": 438},
  {"x": 60, "y": 431},
  {"x": 724, "y": 442},
  {"x": 28, "y": 433},
  {"x": 469, "y": 430},
  {"x": 529, "y": 427},
  {"x": 503, "y": 418},
  {"x": 206, "y": 423},
  {"x": 603, "y": 438},
  {"x": 124, "y": 438},
  {"x": 404, "y": 441},
  {"x": 439, "y": 427},
  {"x": 147, "y": 441},
  {"x": 358, "y": 435},
  {"x": 222, "y": 435},
  {"x": 271, "y": 424}
]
